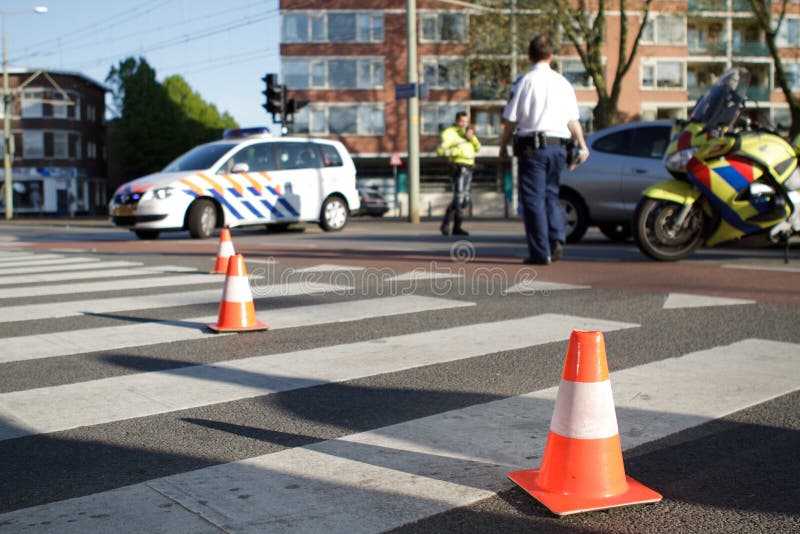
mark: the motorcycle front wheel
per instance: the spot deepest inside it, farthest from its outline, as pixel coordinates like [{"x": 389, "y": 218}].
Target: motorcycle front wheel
[{"x": 659, "y": 236}]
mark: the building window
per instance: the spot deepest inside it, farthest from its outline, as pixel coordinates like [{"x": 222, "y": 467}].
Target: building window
[
  {"x": 663, "y": 75},
  {"x": 32, "y": 144},
  {"x": 665, "y": 29},
  {"x": 91, "y": 150},
  {"x": 362, "y": 119},
  {"x": 60, "y": 145},
  {"x": 333, "y": 73},
  {"x": 32, "y": 107},
  {"x": 444, "y": 27},
  {"x": 487, "y": 122},
  {"x": 792, "y": 71},
  {"x": 334, "y": 27},
  {"x": 441, "y": 73},
  {"x": 59, "y": 105},
  {"x": 436, "y": 117},
  {"x": 789, "y": 33},
  {"x": 574, "y": 71},
  {"x": 91, "y": 113}
]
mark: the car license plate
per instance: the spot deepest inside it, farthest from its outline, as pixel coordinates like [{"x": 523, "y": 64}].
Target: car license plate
[{"x": 123, "y": 211}]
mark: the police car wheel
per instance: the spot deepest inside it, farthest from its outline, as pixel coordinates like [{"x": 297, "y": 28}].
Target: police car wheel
[
  {"x": 334, "y": 213},
  {"x": 202, "y": 219}
]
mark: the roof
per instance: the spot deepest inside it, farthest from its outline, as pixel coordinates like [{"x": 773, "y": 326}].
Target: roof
[{"x": 75, "y": 74}]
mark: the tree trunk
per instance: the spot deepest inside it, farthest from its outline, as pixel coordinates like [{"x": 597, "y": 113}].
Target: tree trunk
[{"x": 605, "y": 113}]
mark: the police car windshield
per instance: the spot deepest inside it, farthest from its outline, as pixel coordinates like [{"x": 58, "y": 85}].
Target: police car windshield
[{"x": 199, "y": 158}]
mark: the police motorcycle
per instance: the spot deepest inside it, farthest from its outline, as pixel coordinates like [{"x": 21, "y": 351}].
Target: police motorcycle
[{"x": 731, "y": 180}]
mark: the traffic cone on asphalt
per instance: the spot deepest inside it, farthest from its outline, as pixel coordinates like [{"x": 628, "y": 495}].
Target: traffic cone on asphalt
[
  {"x": 224, "y": 252},
  {"x": 236, "y": 311},
  {"x": 582, "y": 467}
]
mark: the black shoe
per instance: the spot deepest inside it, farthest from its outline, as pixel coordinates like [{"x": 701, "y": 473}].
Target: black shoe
[
  {"x": 556, "y": 250},
  {"x": 445, "y": 228},
  {"x": 460, "y": 231},
  {"x": 536, "y": 261}
]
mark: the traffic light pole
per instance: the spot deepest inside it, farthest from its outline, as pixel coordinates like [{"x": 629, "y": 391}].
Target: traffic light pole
[{"x": 413, "y": 114}]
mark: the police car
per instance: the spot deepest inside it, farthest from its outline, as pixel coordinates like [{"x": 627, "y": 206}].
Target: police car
[{"x": 247, "y": 178}]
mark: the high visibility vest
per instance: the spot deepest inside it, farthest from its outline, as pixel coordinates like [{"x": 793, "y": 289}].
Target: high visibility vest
[{"x": 456, "y": 147}]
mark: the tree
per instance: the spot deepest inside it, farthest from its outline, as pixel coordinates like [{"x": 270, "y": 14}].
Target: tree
[
  {"x": 157, "y": 122},
  {"x": 763, "y": 12},
  {"x": 586, "y": 31},
  {"x": 204, "y": 119},
  {"x": 149, "y": 130}
]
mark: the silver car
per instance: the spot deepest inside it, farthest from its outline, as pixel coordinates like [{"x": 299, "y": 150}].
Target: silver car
[{"x": 604, "y": 190}]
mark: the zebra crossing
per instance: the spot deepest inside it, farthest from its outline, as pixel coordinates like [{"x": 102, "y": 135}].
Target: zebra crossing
[{"x": 342, "y": 475}]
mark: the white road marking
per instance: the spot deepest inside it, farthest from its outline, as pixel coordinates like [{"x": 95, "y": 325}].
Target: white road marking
[
  {"x": 328, "y": 267},
  {"x": 112, "y": 285},
  {"x": 793, "y": 267},
  {"x": 538, "y": 286},
  {"x": 12, "y": 257},
  {"x": 392, "y": 476},
  {"x": 419, "y": 274},
  {"x": 67, "y": 264},
  {"x": 123, "y": 397},
  {"x": 147, "y": 302},
  {"x": 90, "y": 273},
  {"x": 686, "y": 300}
]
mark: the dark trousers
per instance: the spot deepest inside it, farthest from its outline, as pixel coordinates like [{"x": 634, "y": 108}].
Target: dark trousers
[
  {"x": 539, "y": 181},
  {"x": 461, "y": 180}
]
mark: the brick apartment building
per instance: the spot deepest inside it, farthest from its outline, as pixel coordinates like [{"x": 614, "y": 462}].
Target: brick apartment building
[
  {"x": 59, "y": 164},
  {"x": 346, "y": 56}
]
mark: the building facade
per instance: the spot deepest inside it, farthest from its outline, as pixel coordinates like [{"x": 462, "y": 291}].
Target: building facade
[
  {"x": 59, "y": 162},
  {"x": 346, "y": 57}
]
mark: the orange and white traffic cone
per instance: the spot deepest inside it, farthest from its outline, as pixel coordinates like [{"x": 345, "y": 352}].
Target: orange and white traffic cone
[
  {"x": 236, "y": 311},
  {"x": 224, "y": 252},
  {"x": 582, "y": 467}
]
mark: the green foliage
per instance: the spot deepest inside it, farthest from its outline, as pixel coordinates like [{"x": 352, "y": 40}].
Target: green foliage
[{"x": 157, "y": 122}]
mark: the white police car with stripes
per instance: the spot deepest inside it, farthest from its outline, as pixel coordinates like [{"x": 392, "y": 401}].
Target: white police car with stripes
[{"x": 247, "y": 178}]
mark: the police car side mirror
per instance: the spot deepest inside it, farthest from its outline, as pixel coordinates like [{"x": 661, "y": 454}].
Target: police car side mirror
[{"x": 240, "y": 167}]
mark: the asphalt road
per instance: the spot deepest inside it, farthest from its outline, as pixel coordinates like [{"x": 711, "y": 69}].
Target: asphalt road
[{"x": 404, "y": 374}]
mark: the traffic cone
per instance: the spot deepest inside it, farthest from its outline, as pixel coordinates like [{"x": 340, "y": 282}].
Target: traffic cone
[
  {"x": 236, "y": 311},
  {"x": 224, "y": 252},
  {"x": 582, "y": 467}
]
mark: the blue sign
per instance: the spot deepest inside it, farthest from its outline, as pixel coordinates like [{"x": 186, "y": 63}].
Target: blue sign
[{"x": 403, "y": 91}]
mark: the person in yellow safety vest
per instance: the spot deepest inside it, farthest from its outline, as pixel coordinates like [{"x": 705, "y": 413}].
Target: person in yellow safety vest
[{"x": 459, "y": 144}]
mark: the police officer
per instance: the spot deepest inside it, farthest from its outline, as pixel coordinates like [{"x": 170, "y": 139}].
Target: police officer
[
  {"x": 459, "y": 144},
  {"x": 543, "y": 110}
]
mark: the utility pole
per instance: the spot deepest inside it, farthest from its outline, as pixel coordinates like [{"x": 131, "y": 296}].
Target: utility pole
[
  {"x": 7, "y": 131},
  {"x": 413, "y": 114}
]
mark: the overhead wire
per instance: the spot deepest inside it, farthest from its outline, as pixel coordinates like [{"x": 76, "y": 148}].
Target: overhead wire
[
  {"x": 74, "y": 35},
  {"x": 198, "y": 34}
]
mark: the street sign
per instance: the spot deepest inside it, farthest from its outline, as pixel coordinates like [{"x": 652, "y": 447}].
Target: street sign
[
  {"x": 403, "y": 91},
  {"x": 395, "y": 160}
]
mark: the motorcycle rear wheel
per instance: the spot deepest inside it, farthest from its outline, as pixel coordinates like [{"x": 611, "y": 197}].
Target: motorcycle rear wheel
[{"x": 656, "y": 235}]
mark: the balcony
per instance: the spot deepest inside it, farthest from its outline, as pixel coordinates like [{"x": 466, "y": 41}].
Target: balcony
[
  {"x": 750, "y": 49},
  {"x": 695, "y": 93},
  {"x": 708, "y": 5},
  {"x": 707, "y": 49},
  {"x": 741, "y": 5},
  {"x": 759, "y": 94}
]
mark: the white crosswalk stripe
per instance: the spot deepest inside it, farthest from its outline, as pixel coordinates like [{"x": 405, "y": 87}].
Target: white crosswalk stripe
[
  {"x": 368, "y": 479},
  {"x": 151, "y": 393},
  {"x": 399, "y": 474}
]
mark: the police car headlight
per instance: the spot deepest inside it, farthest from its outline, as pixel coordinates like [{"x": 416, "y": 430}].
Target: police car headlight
[
  {"x": 159, "y": 194},
  {"x": 678, "y": 160}
]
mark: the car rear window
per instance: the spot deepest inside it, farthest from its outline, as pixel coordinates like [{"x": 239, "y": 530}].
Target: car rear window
[{"x": 642, "y": 142}]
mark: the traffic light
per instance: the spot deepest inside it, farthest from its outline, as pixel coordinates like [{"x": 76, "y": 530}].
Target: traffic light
[{"x": 275, "y": 102}]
